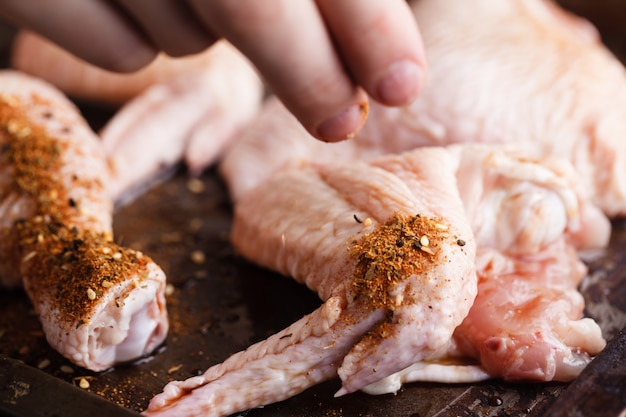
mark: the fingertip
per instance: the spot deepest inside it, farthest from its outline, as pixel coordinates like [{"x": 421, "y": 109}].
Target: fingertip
[
  {"x": 344, "y": 125},
  {"x": 400, "y": 83}
]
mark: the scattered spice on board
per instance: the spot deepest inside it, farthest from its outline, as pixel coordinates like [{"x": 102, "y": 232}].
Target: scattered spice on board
[
  {"x": 66, "y": 369},
  {"x": 197, "y": 257},
  {"x": 44, "y": 363}
]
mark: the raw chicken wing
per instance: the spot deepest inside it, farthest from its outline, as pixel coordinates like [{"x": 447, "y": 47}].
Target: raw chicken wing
[
  {"x": 386, "y": 245},
  {"x": 193, "y": 116},
  {"x": 99, "y": 303},
  {"x": 529, "y": 219}
]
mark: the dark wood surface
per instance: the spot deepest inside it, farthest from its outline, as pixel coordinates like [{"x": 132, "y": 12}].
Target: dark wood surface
[{"x": 224, "y": 304}]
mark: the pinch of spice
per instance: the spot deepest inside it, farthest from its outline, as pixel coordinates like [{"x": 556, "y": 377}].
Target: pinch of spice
[{"x": 399, "y": 248}]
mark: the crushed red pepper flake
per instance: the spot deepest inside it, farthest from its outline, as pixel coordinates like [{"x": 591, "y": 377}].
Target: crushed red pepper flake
[
  {"x": 392, "y": 252},
  {"x": 69, "y": 263}
]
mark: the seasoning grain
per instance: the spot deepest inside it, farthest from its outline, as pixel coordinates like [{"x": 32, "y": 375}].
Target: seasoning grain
[
  {"x": 198, "y": 257},
  {"x": 66, "y": 369},
  {"x": 174, "y": 368},
  {"x": 44, "y": 363},
  {"x": 195, "y": 225},
  {"x": 91, "y": 294},
  {"x": 195, "y": 185},
  {"x": 83, "y": 383}
]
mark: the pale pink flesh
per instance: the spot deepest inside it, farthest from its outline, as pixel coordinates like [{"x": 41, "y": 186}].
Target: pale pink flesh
[
  {"x": 526, "y": 323},
  {"x": 530, "y": 218}
]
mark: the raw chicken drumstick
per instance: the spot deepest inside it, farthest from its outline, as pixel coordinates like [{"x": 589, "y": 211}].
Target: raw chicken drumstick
[
  {"x": 99, "y": 303},
  {"x": 380, "y": 243}
]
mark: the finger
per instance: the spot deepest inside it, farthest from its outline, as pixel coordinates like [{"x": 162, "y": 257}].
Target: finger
[
  {"x": 170, "y": 25},
  {"x": 381, "y": 46},
  {"x": 288, "y": 42},
  {"x": 92, "y": 30}
]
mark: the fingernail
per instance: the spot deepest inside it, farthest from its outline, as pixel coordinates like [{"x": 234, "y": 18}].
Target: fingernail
[
  {"x": 401, "y": 83},
  {"x": 344, "y": 125}
]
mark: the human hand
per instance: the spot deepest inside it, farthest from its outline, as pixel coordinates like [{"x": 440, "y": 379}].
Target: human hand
[{"x": 320, "y": 57}]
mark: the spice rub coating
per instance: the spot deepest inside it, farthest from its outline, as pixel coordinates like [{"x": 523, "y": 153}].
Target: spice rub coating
[{"x": 98, "y": 303}]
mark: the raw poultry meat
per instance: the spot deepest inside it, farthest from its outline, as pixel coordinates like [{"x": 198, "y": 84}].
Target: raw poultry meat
[
  {"x": 99, "y": 303},
  {"x": 530, "y": 219},
  {"x": 527, "y": 74},
  {"x": 193, "y": 116},
  {"x": 538, "y": 215},
  {"x": 300, "y": 222},
  {"x": 386, "y": 246},
  {"x": 176, "y": 108}
]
